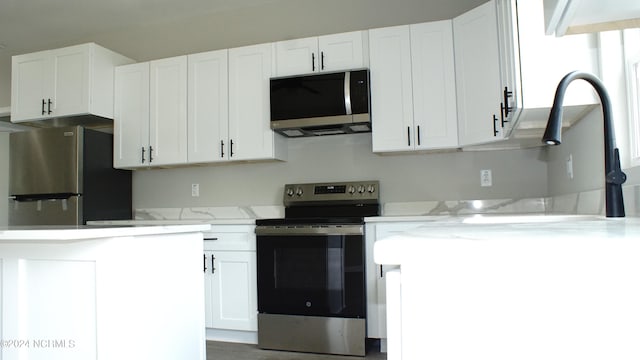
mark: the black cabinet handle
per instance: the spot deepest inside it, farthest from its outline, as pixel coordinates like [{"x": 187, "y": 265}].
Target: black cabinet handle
[
  {"x": 381, "y": 272},
  {"x": 313, "y": 62},
  {"x": 231, "y": 148},
  {"x": 213, "y": 268},
  {"x": 504, "y": 112},
  {"x": 321, "y": 60},
  {"x": 43, "y": 104},
  {"x": 506, "y": 94},
  {"x": 221, "y": 148},
  {"x": 150, "y": 154},
  {"x": 204, "y": 262},
  {"x": 408, "y": 136},
  {"x": 495, "y": 125},
  {"x": 418, "y": 135},
  {"x": 49, "y": 106},
  {"x": 143, "y": 155}
]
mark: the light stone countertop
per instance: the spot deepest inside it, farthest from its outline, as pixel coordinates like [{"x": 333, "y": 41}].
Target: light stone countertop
[
  {"x": 515, "y": 287},
  {"x": 504, "y": 229},
  {"x": 85, "y": 232},
  {"x": 159, "y": 222}
]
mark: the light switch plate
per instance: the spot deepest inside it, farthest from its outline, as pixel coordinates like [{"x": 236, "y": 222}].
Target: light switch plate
[{"x": 195, "y": 190}]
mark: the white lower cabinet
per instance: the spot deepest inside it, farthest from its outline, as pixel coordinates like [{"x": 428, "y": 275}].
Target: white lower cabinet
[
  {"x": 376, "y": 282},
  {"x": 229, "y": 264}
]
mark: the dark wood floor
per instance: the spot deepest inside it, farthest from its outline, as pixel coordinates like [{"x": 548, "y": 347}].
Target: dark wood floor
[{"x": 231, "y": 351}]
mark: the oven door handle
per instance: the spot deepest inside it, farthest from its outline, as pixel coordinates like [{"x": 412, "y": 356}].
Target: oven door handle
[{"x": 310, "y": 230}]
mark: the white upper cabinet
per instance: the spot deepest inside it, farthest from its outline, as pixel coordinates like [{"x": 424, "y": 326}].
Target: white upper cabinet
[
  {"x": 150, "y": 124},
  {"x": 564, "y": 17},
  {"x": 324, "y": 53},
  {"x": 131, "y": 116},
  {"x": 478, "y": 78},
  {"x": 413, "y": 87},
  {"x": 200, "y": 108},
  {"x": 208, "y": 110},
  {"x": 391, "y": 89},
  {"x": 75, "y": 80},
  {"x": 434, "y": 91},
  {"x": 250, "y": 134},
  {"x": 168, "y": 111},
  {"x": 538, "y": 63},
  {"x": 507, "y": 71}
]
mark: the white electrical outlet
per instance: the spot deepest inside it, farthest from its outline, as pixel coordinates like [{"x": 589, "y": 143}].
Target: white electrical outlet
[
  {"x": 195, "y": 190},
  {"x": 485, "y": 178},
  {"x": 570, "y": 166}
]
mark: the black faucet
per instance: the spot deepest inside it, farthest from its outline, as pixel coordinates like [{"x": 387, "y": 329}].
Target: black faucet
[{"x": 614, "y": 177}]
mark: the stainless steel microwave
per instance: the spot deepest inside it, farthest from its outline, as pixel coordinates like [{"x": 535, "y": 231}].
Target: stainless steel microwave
[{"x": 321, "y": 104}]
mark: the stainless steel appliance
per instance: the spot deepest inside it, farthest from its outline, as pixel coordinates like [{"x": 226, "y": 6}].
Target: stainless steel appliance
[
  {"x": 65, "y": 176},
  {"x": 311, "y": 269},
  {"x": 321, "y": 104}
]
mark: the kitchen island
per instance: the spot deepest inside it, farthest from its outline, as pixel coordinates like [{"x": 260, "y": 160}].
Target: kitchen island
[
  {"x": 121, "y": 292},
  {"x": 514, "y": 287}
]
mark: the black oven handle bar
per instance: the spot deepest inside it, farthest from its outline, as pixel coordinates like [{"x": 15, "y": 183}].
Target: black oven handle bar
[{"x": 309, "y": 230}]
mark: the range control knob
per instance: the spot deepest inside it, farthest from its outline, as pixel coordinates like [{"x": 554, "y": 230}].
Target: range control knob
[
  {"x": 351, "y": 189},
  {"x": 299, "y": 191},
  {"x": 290, "y": 192},
  {"x": 361, "y": 189},
  {"x": 371, "y": 189}
]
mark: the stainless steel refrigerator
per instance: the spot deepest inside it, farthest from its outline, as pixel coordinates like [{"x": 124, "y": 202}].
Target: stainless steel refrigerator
[{"x": 65, "y": 176}]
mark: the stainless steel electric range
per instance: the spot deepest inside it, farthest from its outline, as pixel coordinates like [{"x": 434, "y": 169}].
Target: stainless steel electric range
[{"x": 311, "y": 269}]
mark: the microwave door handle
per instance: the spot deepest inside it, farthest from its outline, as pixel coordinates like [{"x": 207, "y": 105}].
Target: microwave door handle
[{"x": 347, "y": 92}]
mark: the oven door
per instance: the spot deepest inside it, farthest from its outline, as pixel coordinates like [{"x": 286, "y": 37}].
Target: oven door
[{"x": 311, "y": 270}]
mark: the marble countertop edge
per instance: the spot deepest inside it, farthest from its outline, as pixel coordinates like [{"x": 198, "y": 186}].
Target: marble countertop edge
[{"x": 85, "y": 232}]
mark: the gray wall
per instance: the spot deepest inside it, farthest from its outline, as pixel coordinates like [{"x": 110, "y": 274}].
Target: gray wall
[{"x": 439, "y": 176}]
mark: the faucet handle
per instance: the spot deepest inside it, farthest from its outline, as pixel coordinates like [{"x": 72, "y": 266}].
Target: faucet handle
[{"x": 616, "y": 176}]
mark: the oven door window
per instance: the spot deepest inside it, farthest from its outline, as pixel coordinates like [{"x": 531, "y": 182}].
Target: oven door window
[{"x": 311, "y": 275}]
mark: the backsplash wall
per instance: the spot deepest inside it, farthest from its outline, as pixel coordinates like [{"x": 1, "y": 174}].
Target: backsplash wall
[{"x": 403, "y": 178}]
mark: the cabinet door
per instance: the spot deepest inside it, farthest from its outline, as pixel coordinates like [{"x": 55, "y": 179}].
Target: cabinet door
[
  {"x": 71, "y": 80},
  {"x": 208, "y": 110},
  {"x": 131, "y": 116},
  {"x": 168, "y": 111},
  {"x": 298, "y": 56},
  {"x": 478, "y": 75},
  {"x": 434, "y": 92},
  {"x": 31, "y": 86},
  {"x": 233, "y": 291},
  {"x": 511, "y": 95},
  {"x": 342, "y": 51},
  {"x": 391, "y": 89},
  {"x": 209, "y": 291},
  {"x": 250, "y": 134}
]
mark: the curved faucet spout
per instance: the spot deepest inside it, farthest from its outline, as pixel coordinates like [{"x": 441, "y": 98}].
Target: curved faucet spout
[{"x": 614, "y": 177}]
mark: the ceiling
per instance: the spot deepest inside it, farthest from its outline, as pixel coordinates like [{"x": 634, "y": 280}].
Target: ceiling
[{"x": 33, "y": 24}]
